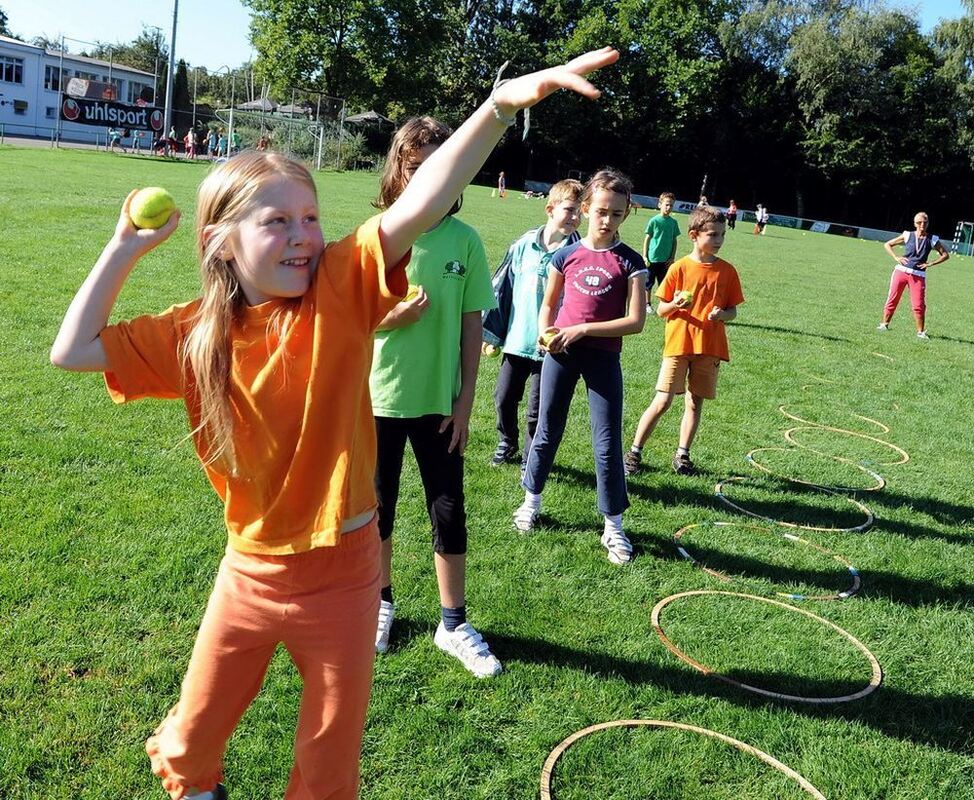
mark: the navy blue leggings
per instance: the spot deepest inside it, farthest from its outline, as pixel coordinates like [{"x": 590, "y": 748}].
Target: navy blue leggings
[{"x": 602, "y": 372}]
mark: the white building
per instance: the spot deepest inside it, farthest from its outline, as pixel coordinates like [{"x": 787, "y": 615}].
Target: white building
[{"x": 30, "y": 84}]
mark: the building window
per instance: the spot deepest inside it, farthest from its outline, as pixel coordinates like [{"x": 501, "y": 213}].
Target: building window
[
  {"x": 11, "y": 69},
  {"x": 20, "y": 107},
  {"x": 50, "y": 112},
  {"x": 136, "y": 91},
  {"x": 88, "y": 76},
  {"x": 51, "y": 78}
]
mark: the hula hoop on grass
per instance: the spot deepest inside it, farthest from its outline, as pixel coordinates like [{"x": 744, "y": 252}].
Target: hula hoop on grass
[
  {"x": 845, "y": 595},
  {"x": 879, "y": 479},
  {"x": 719, "y": 492},
  {"x": 877, "y": 671},
  {"x": 548, "y": 769},
  {"x": 904, "y": 456}
]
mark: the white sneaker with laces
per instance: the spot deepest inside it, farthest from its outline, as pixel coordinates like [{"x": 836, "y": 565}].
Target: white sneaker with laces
[
  {"x": 922, "y": 335},
  {"x": 618, "y": 545},
  {"x": 526, "y": 516},
  {"x": 883, "y": 326},
  {"x": 469, "y": 648},
  {"x": 650, "y": 311},
  {"x": 386, "y": 613}
]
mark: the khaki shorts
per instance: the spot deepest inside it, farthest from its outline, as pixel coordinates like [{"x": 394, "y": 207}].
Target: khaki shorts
[{"x": 702, "y": 371}]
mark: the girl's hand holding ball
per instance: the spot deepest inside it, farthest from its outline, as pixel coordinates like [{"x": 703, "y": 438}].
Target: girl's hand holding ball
[{"x": 715, "y": 314}]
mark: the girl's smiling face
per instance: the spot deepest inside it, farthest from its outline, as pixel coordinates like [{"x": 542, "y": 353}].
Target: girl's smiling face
[{"x": 275, "y": 247}]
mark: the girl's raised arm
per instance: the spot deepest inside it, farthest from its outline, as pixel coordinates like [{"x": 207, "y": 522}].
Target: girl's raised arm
[
  {"x": 444, "y": 175},
  {"x": 77, "y": 346}
]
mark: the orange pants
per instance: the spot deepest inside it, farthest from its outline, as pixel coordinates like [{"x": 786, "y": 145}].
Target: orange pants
[{"x": 323, "y": 606}]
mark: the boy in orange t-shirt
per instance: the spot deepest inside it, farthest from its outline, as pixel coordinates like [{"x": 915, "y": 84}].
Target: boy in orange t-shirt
[{"x": 699, "y": 294}]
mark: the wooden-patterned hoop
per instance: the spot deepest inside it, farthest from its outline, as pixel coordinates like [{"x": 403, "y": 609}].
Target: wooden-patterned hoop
[
  {"x": 719, "y": 492},
  {"x": 844, "y": 595},
  {"x": 904, "y": 456},
  {"x": 548, "y": 769},
  {"x": 879, "y": 479},
  {"x": 877, "y": 671}
]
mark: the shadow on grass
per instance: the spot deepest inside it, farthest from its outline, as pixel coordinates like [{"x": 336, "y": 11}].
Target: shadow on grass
[
  {"x": 952, "y": 339},
  {"x": 876, "y": 584},
  {"x": 945, "y": 721},
  {"x": 791, "y": 331}
]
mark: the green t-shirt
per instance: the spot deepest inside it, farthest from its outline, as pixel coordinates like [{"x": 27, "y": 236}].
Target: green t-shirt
[
  {"x": 663, "y": 232},
  {"x": 416, "y": 369}
]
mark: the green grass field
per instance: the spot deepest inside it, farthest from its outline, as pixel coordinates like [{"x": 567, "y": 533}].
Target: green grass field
[{"x": 111, "y": 537}]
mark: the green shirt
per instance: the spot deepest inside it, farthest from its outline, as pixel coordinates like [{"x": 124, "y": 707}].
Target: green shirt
[
  {"x": 416, "y": 369},
  {"x": 662, "y": 232}
]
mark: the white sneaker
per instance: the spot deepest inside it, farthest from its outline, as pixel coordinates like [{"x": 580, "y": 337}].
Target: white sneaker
[
  {"x": 922, "y": 335},
  {"x": 526, "y": 516},
  {"x": 650, "y": 311},
  {"x": 386, "y": 613},
  {"x": 469, "y": 648},
  {"x": 883, "y": 326},
  {"x": 618, "y": 545}
]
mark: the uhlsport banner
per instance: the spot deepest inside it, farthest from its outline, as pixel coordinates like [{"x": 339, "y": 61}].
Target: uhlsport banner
[{"x": 105, "y": 113}]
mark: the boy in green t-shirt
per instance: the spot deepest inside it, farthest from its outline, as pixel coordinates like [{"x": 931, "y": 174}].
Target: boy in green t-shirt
[{"x": 659, "y": 246}]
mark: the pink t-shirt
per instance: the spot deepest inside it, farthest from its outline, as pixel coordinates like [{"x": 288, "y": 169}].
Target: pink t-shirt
[{"x": 596, "y": 287}]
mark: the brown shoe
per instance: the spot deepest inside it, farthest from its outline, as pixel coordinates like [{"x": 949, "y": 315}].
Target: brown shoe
[
  {"x": 682, "y": 465},
  {"x": 632, "y": 462}
]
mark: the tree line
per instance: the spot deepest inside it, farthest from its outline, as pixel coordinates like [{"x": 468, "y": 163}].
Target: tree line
[{"x": 842, "y": 110}]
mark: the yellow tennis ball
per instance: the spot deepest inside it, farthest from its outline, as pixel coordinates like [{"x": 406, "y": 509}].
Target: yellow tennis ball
[
  {"x": 411, "y": 292},
  {"x": 491, "y": 351},
  {"x": 151, "y": 207},
  {"x": 545, "y": 338},
  {"x": 686, "y": 295}
]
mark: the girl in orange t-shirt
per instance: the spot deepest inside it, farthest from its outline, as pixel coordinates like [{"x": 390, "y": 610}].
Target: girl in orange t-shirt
[{"x": 272, "y": 364}]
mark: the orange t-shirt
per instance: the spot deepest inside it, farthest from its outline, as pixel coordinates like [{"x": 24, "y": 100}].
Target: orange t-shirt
[
  {"x": 304, "y": 435},
  {"x": 688, "y": 331}
]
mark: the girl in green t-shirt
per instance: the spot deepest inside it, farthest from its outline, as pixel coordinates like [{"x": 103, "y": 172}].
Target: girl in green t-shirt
[{"x": 424, "y": 370}]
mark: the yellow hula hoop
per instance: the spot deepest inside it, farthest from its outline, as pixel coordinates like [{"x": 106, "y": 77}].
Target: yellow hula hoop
[
  {"x": 879, "y": 479},
  {"x": 548, "y": 769},
  {"x": 844, "y": 595},
  {"x": 904, "y": 456},
  {"x": 719, "y": 493},
  {"x": 877, "y": 671}
]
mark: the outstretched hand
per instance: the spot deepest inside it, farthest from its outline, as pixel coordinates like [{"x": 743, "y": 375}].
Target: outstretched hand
[
  {"x": 142, "y": 240},
  {"x": 527, "y": 90}
]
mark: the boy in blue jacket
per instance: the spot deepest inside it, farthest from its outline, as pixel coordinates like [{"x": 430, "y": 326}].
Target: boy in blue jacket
[{"x": 519, "y": 285}]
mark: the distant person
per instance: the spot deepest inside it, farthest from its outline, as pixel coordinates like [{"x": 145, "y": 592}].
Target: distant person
[
  {"x": 732, "y": 215},
  {"x": 501, "y": 186},
  {"x": 212, "y": 143},
  {"x": 701, "y": 292},
  {"x": 263, "y": 143},
  {"x": 519, "y": 287},
  {"x": 234, "y": 143},
  {"x": 702, "y": 201},
  {"x": 911, "y": 271},
  {"x": 189, "y": 144},
  {"x": 115, "y": 140},
  {"x": 596, "y": 295},
  {"x": 221, "y": 144},
  {"x": 659, "y": 246},
  {"x": 761, "y": 217}
]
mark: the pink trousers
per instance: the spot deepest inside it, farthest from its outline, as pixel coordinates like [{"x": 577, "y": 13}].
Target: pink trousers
[
  {"x": 322, "y": 605},
  {"x": 918, "y": 293}
]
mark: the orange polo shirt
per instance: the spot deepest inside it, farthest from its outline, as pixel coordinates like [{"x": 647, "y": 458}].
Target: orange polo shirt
[
  {"x": 688, "y": 331},
  {"x": 304, "y": 434}
]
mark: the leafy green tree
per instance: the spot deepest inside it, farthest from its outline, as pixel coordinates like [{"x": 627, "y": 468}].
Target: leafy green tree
[{"x": 4, "y": 30}]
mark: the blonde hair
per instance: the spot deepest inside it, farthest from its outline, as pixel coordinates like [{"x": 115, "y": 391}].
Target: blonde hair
[
  {"x": 224, "y": 199},
  {"x": 415, "y": 134},
  {"x": 568, "y": 189}
]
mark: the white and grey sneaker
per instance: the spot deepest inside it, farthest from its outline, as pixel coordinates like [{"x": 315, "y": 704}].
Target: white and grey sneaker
[
  {"x": 526, "y": 517},
  {"x": 883, "y": 326},
  {"x": 618, "y": 546},
  {"x": 469, "y": 648},
  {"x": 387, "y": 611},
  {"x": 922, "y": 335}
]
